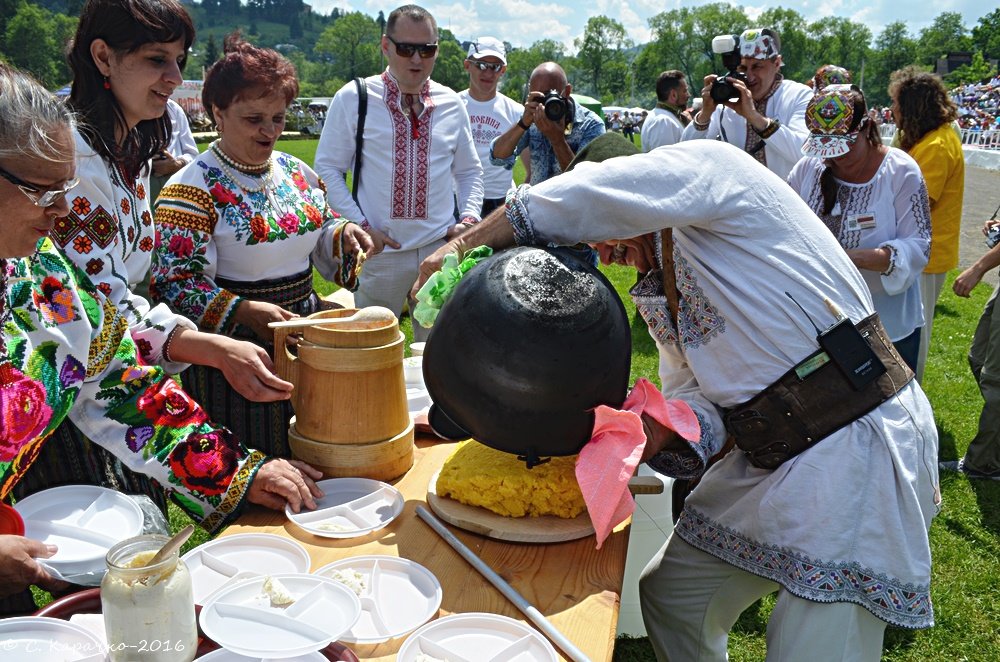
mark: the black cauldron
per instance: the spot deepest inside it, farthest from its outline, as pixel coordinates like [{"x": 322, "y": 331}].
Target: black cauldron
[{"x": 532, "y": 340}]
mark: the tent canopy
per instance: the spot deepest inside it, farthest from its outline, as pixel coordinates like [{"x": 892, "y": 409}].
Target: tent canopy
[{"x": 589, "y": 102}]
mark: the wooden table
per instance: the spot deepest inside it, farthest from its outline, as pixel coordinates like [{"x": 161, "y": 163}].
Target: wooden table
[{"x": 577, "y": 587}]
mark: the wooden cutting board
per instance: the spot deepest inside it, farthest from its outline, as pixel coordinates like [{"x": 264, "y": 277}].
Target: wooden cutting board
[{"x": 545, "y": 529}]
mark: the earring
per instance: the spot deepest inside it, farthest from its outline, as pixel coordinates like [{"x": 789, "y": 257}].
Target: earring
[{"x": 107, "y": 83}]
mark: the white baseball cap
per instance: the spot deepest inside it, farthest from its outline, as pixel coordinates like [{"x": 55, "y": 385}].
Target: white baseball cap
[{"x": 487, "y": 46}]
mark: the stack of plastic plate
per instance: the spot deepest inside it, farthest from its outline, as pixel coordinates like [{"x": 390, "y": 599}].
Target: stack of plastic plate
[
  {"x": 42, "y": 639},
  {"x": 84, "y": 522},
  {"x": 232, "y": 559}
]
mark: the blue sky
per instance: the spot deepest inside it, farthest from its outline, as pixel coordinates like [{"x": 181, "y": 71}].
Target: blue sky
[{"x": 522, "y": 23}]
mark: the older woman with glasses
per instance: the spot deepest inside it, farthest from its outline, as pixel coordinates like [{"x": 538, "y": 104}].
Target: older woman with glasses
[
  {"x": 874, "y": 201},
  {"x": 66, "y": 352},
  {"x": 240, "y": 229}
]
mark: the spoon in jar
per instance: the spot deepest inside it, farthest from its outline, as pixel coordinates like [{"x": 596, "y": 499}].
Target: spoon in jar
[
  {"x": 369, "y": 314},
  {"x": 171, "y": 546}
]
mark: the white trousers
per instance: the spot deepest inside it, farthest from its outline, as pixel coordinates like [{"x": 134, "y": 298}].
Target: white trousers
[
  {"x": 691, "y": 599},
  {"x": 930, "y": 290},
  {"x": 386, "y": 280}
]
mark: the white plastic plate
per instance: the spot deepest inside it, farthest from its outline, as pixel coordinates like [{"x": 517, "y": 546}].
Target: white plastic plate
[
  {"x": 323, "y": 610},
  {"x": 222, "y": 655},
  {"x": 351, "y": 507},
  {"x": 232, "y": 559},
  {"x": 42, "y": 639},
  {"x": 398, "y": 597},
  {"x": 477, "y": 637},
  {"x": 83, "y": 521}
]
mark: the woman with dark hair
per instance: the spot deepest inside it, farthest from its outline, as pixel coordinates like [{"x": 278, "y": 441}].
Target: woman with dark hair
[
  {"x": 127, "y": 57},
  {"x": 924, "y": 116},
  {"x": 66, "y": 352},
  {"x": 874, "y": 201},
  {"x": 240, "y": 229}
]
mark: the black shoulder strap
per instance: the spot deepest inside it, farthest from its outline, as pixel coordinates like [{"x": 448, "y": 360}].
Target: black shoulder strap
[{"x": 359, "y": 137}]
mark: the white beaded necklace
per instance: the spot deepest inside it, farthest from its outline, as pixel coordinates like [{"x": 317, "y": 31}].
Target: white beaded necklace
[{"x": 225, "y": 161}]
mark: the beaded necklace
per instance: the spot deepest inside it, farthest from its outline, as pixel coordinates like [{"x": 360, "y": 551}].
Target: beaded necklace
[
  {"x": 225, "y": 162},
  {"x": 5, "y": 311}
]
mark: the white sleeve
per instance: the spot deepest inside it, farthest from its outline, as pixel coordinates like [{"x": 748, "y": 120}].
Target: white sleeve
[
  {"x": 335, "y": 152},
  {"x": 468, "y": 171},
  {"x": 911, "y": 246}
]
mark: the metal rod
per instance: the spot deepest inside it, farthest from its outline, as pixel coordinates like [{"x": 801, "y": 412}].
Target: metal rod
[{"x": 509, "y": 592}]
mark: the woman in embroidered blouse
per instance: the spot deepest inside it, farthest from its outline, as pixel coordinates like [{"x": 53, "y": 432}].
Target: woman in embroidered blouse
[
  {"x": 66, "y": 351},
  {"x": 240, "y": 228},
  {"x": 873, "y": 199},
  {"x": 127, "y": 57}
]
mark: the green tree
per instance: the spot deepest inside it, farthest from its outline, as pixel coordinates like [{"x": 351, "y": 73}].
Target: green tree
[
  {"x": 945, "y": 35},
  {"x": 211, "y": 55},
  {"x": 792, "y": 31},
  {"x": 986, "y": 34},
  {"x": 601, "y": 47},
  {"x": 521, "y": 62},
  {"x": 894, "y": 49},
  {"x": 975, "y": 71},
  {"x": 449, "y": 70},
  {"x": 351, "y": 45},
  {"x": 842, "y": 42},
  {"x": 32, "y": 43}
]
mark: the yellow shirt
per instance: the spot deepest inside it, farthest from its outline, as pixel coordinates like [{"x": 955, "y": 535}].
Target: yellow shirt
[{"x": 939, "y": 155}]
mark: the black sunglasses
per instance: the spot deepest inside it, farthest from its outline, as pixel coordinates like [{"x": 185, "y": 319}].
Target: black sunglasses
[
  {"x": 486, "y": 66},
  {"x": 38, "y": 196},
  {"x": 407, "y": 50}
]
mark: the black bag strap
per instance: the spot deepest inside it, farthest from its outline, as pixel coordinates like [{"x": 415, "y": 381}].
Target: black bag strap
[{"x": 359, "y": 137}]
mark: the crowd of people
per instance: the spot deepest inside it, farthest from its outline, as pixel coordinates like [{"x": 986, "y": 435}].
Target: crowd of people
[
  {"x": 775, "y": 240},
  {"x": 978, "y": 105}
]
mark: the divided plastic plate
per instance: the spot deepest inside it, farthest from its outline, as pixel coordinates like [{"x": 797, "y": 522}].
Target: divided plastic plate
[
  {"x": 352, "y": 507},
  {"x": 323, "y": 610},
  {"x": 232, "y": 559},
  {"x": 83, "y": 521},
  {"x": 43, "y": 639},
  {"x": 477, "y": 637},
  {"x": 222, "y": 655},
  {"x": 398, "y": 597}
]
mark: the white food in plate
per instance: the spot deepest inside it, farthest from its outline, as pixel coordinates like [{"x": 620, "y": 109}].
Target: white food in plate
[
  {"x": 335, "y": 527},
  {"x": 350, "y": 578},
  {"x": 276, "y": 593},
  {"x": 424, "y": 657}
]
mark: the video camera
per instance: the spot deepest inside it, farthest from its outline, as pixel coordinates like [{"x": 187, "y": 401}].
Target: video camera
[{"x": 728, "y": 46}]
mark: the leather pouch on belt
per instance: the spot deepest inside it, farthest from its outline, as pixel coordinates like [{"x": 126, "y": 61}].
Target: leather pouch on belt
[{"x": 795, "y": 413}]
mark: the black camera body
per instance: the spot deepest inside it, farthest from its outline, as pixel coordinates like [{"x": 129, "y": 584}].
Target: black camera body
[
  {"x": 722, "y": 90},
  {"x": 556, "y": 106}
]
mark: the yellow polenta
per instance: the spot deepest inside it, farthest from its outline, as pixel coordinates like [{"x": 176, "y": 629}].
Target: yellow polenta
[{"x": 478, "y": 475}]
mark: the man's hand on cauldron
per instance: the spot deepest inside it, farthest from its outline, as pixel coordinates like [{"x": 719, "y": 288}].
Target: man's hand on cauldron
[
  {"x": 638, "y": 252},
  {"x": 280, "y": 482}
]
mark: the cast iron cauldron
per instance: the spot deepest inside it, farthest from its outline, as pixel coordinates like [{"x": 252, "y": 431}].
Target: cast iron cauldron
[{"x": 531, "y": 341}]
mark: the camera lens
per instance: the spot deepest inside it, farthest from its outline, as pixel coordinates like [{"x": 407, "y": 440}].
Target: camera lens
[
  {"x": 555, "y": 106},
  {"x": 722, "y": 90}
]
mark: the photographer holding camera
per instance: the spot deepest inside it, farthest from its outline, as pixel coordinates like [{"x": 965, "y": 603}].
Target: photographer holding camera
[
  {"x": 553, "y": 126},
  {"x": 767, "y": 118}
]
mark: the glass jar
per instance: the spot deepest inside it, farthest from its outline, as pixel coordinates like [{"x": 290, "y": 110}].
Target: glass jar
[{"x": 148, "y": 610}]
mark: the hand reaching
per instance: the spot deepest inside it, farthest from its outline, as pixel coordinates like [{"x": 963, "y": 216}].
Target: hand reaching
[{"x": 280, "y": 482}]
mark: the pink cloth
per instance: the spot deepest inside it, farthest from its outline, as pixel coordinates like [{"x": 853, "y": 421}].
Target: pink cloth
[{"x": 609, "y": 459}]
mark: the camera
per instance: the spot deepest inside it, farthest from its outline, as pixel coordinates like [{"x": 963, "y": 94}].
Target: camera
[
  {"x": 728, "y": 46},
  {"x": 555, "y": 105},
  {"x": 993, "y": 236}
]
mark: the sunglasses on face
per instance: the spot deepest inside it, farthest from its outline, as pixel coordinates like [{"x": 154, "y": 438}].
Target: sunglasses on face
[
  {"x": 38, "y": 197},
  {"x": 407, "y": 50},
  {"x": 486, "y": 66}
]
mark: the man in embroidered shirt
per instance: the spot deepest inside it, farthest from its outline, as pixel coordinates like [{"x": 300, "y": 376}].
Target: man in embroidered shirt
[
  {"x": 553, "y": 143},
  {"x": 768, "y": 121},
  {"x": 666, "y": 123},
  {"x": 417, "y": 154},
  {"x": 490, "y": 113}
]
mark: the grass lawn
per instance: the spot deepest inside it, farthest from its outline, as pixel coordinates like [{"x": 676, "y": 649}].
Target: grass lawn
[{"x": 965, "y": 537}]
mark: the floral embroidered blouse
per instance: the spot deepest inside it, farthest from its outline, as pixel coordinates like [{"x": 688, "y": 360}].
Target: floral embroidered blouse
[
  {"x": 209, "y": 226},
  {"x": 108, "y": 234},
  {"x": 69, "y": 353}
]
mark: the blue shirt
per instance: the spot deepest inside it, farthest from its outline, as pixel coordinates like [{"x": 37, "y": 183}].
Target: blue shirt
[{"x": 544, "y": 164}]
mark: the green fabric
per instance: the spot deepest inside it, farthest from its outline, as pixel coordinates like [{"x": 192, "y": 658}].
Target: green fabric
[
  {"x": 440, "y": 287},
  {"x": 604, "y": 147}
]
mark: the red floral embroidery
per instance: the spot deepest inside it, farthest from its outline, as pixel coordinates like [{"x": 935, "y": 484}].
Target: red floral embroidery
[
  {"x": 222, "y": 195},
  {"x": 206, "y": 462},
  {"x": 140, "y": 192},
  {"x": 95, "y": 266},
  {"x": 83, "y": 244},
  {"x": 259, "y": 227},
  {"x": 165, "y": 403},
  {"x": 146, "y": 244},
  {"x": 81, "y": 206},
  {"x": 104, "y": 288},
  {"x": 146, "y": 218},
  {"x": 23, "y": 411},
  {"x": 131, "y": 235},
  {"x": 145, "y": 349},
  {"x": 313, "y": 215},
  {"x": 289, "y": 223},
  {"x": 126, "y": 206},
  {"x": 300, "y": 181},
  {"x": 181, "y": 246},
  {"x": 55, "y": 301}
]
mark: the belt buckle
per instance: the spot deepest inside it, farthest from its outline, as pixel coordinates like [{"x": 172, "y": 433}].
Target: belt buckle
[{"x": 771, "y": 456}]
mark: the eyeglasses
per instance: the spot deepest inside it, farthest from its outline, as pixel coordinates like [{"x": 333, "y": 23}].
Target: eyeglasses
[
  {"x": 485, "y": 66},
  {"x": 403, "y": 49},
  {"x": 38, "y": 197}
]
